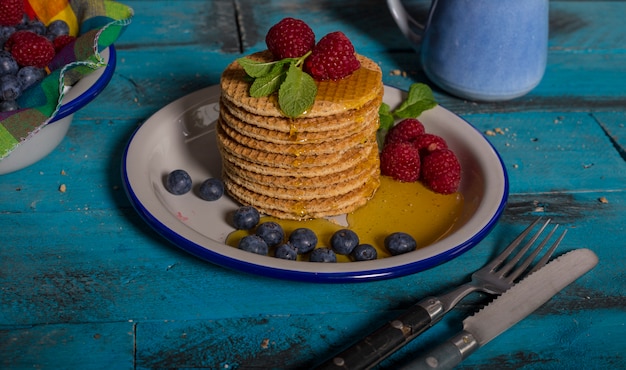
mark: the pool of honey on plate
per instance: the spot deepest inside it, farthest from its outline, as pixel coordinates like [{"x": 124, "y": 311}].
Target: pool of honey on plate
[{"x": 396, "y": 206}]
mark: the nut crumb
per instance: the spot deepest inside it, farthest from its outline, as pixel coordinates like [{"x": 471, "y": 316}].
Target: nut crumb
[
  {"x": 490, "y": 133},
  {"x": 603, "y": 200},
  {"x": 63, "y": 173},
  {"x": 62, "y": 188},
  {"x": 397, "y": 72},
  {"x": 498, "y": 130},
  {"x": 265, "y": 343}
]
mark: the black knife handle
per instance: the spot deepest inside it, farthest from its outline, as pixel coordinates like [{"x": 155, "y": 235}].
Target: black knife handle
[{"x": 372, "y": 349}]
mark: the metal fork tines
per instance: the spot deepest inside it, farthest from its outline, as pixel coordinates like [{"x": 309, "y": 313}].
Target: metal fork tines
[{"x": 494, "y": 278}]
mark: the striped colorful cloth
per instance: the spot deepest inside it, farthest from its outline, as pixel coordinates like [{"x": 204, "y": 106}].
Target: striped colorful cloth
[{"x": 97, "y": 24}]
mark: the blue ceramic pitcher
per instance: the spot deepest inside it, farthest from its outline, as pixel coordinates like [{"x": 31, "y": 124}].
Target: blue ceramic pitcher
[{"x": 481, "y": 50}]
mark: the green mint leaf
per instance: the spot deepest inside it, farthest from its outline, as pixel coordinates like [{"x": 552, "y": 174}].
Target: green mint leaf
[
  {"x": 297, "y": 92},
  {"x": 419, "y": 99},
  {"x": 268, "y": 83},
  {"x": 255, "y": 68},
  {"x": 380, "y": 138},
  {"x": 385, "y": 123},
  {"x": 386, "y": 117}
]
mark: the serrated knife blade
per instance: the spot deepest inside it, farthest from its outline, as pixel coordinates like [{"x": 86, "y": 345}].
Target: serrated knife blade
[{"x": 508, "y": 309}]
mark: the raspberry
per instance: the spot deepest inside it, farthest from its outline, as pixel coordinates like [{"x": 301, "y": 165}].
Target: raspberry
[
  {"x": 400, "y": 161},
  {"x": 406, "y": 130},
  {"x": 333, "y": 58},
  {"x": 441, "y": 171},
  {"x": 290, "y": 38},
  {"x": 427, "y": 143},
  {"x": 11, "y": 12},
  {"x": 62, "y": 41},
  {"x": 30, "y": 49}
]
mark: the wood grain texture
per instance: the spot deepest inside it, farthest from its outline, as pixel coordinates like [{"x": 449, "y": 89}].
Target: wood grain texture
[{"x": 85, "y": 283}]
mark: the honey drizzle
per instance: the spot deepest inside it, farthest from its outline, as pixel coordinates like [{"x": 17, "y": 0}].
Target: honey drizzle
[{"x": 396, "y": 206}]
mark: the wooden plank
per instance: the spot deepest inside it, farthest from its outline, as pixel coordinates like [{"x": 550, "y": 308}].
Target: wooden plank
[
  {"x": 583, "y": 27},
  {"x": 357, "y": 18},
  {"x": 210, "y": 25},
  {"x": 613, "y": 126},
  {"x": 87, "y": 162},
  {"x": 83, "y": 346},
  {"x": 540, "y": 155},
  {"x": 302, "y": 341}
]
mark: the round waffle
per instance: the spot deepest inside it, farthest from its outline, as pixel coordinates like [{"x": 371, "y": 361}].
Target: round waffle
[
  {"x": 346, "y": 120},
  {"x": 353, "y": 158},
  {"x": 289, "y": 160},
  {"x": 333, "y": 97},
  {"x": 305, "y": 209},
  {"x": 307, "y": 192},
  {"x": 289, "y": 131},
  {"x": 303, "y": 148},
  {"x": 295, "y": 181}
]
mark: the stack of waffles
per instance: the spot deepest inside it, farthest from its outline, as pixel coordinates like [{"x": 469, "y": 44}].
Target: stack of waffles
[{"x": 323, "y": 163}]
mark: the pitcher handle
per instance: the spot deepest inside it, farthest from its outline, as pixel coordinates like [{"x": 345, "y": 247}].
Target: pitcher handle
[{"x": 412, "y": 29}]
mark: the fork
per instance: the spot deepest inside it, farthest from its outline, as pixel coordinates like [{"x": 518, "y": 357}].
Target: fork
[{"x": 493, "y": 278}]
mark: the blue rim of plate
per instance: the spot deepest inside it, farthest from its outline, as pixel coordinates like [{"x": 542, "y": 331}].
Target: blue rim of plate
[
  {"x": 90, "y": 94},
  {"x": 371, "y": 274}
]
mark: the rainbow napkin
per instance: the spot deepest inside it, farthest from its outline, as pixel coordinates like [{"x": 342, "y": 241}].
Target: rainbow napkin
[{"x": 97, "y": 24}]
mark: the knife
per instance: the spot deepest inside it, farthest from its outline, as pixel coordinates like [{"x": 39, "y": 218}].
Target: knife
[{"x": 508, "y": 309}]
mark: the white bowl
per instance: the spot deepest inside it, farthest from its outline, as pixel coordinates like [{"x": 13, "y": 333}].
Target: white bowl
[{"x": 78, "y": 96}]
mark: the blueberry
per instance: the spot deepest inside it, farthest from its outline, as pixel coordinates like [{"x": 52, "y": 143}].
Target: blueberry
[
  {"x": 178, "y": 182},
  {"x": 30, "y": 75},
  {"x": 211, "y": 189},
  {"x": 253, "y": 244},
  {"x": 8, "y": 105},
  {"x": 271, "y": 232},
  {"x": 286, "y": 252},
  {"x": 399, "y": 243},
  {"x": 364, "y": 252},
  {"x": 8, "y": 65},
  {"x": 57, "y": 28},
  {"x": 303, "y": 239},
  {"x": 5, "y": 33},
  {"x": 35, "y": 26},
  {"x": 323, "y": 255},
  {"x": 343, "y": 241},
  {"x": 246, "y": 217},
  {"x": 10, "y": 87}
]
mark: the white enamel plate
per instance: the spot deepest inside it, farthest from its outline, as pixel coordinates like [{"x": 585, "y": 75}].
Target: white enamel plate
[{"x": 181, "y": 136}]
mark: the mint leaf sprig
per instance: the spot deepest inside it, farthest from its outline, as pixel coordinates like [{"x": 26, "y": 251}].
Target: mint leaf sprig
[
  {"x": 296, "y": 88},
  {"x": 419, "y": 99}
]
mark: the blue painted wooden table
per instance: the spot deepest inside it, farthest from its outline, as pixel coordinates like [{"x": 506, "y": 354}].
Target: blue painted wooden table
[{"x": 86, "y": 284}]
